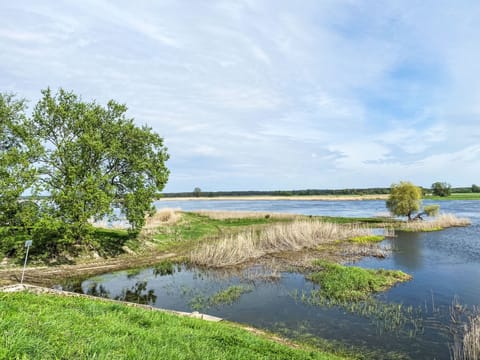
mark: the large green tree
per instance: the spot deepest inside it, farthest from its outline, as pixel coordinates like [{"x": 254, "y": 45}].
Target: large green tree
[
  {"x": 18, "y": 151},
  {"x": 95, "y": 159}
]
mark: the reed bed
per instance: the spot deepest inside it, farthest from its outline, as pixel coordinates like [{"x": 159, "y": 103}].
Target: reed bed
[
  {"x": 226, "y": 215},
  {"x": 438, "y": 223},
  {"x": 253, "y": 244},
  {"x": 468, "y": 347}
]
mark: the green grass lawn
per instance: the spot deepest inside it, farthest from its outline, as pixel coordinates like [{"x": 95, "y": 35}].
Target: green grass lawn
[{"x": 55, "y": 327}]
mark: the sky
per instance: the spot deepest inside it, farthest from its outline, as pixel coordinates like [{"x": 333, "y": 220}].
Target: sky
[{"x": 269, "y": 94}]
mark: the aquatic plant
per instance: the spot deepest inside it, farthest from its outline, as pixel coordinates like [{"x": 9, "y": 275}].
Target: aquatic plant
[
  {"x": 230, "y": 294},
  {"x": 351, "y": 283},
  {"x": 467, "y": 347},
  {"x": 386, "y": 317},
  {"x": 165, "y": 267},
  {"x": 200, "y": 301}
]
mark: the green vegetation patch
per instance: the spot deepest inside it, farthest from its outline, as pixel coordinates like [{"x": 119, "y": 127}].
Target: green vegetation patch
[
  {"x": 367, "y": 239},
  {"x": 351, "y": 283},
  {"x": 230, "y": 294},
  {"x": 54, "y": 327},
  {"x": 201, "y": 302},
  {"x": 455, "y": 196},
  {"x": 165, "y": 267}
]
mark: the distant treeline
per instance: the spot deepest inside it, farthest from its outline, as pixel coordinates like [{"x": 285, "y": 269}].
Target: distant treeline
[
  {"x": 368, "y": 191},
  {"x": 281, "y": 192}
]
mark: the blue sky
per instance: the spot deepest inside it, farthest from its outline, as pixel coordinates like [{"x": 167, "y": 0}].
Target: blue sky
[{"x": 266, "y": 95}]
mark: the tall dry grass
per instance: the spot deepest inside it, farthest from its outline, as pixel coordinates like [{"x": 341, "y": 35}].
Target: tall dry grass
[
  {"x": 161, "y": 217},
  {"x": 243, "y": 247},
  {"x": 225, "y": 215},
  {"x": 440, "y": 222},
  {"x": 468, "y": 347}
]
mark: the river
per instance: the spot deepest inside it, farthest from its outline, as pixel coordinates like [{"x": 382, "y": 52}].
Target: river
[{"x": 445, "y": 266}]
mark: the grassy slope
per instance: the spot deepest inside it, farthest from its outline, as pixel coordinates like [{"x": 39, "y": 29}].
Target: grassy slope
[{"x": 51, "y": 327}]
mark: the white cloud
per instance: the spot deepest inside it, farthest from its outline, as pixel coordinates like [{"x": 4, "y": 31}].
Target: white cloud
[{"x": 279, "y": 94}]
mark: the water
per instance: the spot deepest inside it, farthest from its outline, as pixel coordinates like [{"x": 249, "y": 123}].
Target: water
[{"x": 444, "y": 265}]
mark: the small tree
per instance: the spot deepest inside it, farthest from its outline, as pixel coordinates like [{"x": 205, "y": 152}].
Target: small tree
[
  {"x": 197, "y": 192},
  {"x": 441, "y": 189},
  {"x": 404, "y": 199},
  {"x": 475, "y": 188}
]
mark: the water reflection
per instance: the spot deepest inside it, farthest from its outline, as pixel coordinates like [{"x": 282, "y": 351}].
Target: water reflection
[
  {"x": 138, "y": 294},
  {"x": 407, "y": 252},
  {"x": 99, "y": 290}
]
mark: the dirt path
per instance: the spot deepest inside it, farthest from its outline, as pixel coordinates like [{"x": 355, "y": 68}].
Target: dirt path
[{"x": 51, "y": 275}]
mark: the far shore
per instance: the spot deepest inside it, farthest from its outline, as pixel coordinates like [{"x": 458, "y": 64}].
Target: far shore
[{"x": 273, "y": 198}]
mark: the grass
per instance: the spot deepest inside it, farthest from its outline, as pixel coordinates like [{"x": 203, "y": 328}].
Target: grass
[
  {"x": 111, "y": 242},
  {"x": 351, "y": 283},
  {"x": 250, "y": 245},
  {"x": 455, "y": 196},
  {"x": 194, "y": 227},
  {"x": 367, "y": 239},
  {"x": 47, "y": 326},
  {"x": 225, "y": 215}
]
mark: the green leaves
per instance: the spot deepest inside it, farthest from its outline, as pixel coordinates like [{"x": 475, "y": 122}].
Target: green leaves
[
  {"x": 87, "y": 158},
  {"x": 441, "y": 189},
  {"x": 18, "y": 150},
  {"x": 98, "y": 159},
  {"x": 404, "y": 199}
]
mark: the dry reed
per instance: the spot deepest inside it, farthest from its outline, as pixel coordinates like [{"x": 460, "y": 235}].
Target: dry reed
[
  {"x": 225, "y": 215},
  {"x": 301, "y": 234},
  {"x": 161, "y": 217},
  {"x": 440, "y": 222},
  {"x": 468, "y": 347}
]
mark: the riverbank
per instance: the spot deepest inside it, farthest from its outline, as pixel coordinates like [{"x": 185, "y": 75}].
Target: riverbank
[
  {"x": 213, "y": 238},
  {"x": 64, "y": 329}
]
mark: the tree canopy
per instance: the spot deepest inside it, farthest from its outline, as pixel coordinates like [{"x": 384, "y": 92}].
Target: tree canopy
[
  {"x": 405, "y": 199},
  {"x": 87, "y": 159},
  {"x": 441, "y": 189},
  {"x": 18, "y": 150}
]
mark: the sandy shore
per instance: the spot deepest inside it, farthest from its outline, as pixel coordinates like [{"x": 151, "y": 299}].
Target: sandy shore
[{"x": 293, "y": 198}]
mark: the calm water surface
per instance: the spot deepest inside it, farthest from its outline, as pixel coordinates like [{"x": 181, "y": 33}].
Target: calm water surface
[{"x": 444, "y": 265}]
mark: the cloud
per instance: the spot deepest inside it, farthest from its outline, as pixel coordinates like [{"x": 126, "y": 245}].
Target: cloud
[{"x": 271, "y": 94}]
